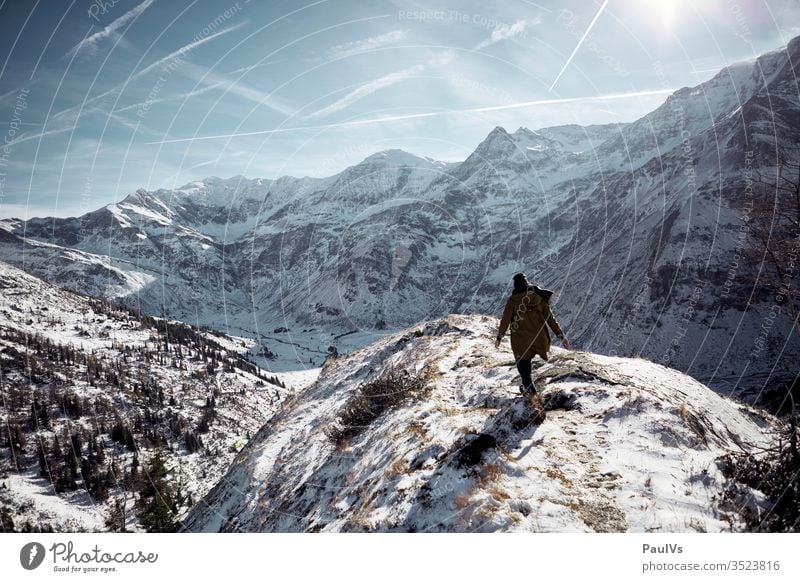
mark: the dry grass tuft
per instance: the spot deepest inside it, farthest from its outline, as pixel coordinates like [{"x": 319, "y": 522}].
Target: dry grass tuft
[{"x": 388, "y": 390}]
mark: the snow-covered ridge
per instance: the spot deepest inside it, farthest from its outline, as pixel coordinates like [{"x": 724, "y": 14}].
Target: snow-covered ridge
[
  {"x": 627, "y": 445},
  {"x": 401, "y": 158}
]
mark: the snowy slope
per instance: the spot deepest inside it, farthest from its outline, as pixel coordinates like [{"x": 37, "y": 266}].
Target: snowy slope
[
  {"x": 73, "y": 367},
  {"x": 627, "y": 445}
]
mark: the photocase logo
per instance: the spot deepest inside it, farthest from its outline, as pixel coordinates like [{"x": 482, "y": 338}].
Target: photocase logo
[{"x": 32, "y": 555}]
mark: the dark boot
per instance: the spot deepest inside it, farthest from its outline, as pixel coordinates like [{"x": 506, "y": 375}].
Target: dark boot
[{"x": 524, "y": 369}]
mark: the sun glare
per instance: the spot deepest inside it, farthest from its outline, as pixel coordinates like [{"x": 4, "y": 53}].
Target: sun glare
[
  {"x": 660, "y": 14},
  {"x": 667, "y": 11}
]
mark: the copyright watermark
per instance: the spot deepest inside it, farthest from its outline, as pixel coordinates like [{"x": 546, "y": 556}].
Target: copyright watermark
[
  {"x": 456, "y": 16},
  {"x": 101, "y": 7}
]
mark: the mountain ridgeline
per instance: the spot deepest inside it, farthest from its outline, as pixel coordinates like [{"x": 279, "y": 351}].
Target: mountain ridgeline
[
  {"x": 424, "y": 430},
  {"x": 637, "y": 227}
]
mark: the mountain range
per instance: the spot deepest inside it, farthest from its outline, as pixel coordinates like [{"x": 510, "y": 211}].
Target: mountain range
[{"x": 635, "y": 226}]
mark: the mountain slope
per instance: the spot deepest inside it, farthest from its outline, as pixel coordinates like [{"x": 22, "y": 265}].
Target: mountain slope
[
  {"x": 627, "y": 445},
  {"x": 90, "y": 391}
]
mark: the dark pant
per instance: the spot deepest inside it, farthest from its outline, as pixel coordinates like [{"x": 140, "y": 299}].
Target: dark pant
[{"x": 524, "y": 369}]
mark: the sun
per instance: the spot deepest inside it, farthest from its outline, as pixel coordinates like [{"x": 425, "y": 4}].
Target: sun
[{"x": 668, "y": 12}]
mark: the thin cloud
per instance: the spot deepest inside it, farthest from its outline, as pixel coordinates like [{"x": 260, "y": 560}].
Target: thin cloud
[
  {"x": 248, "y": 68},
  {"x": 39, "y": 134},
  {"x": 178, "y": 97},
  {"x": 184, "y": 50},
  {"x": 28, "y": 136},
  {"x": 293, "y": 129},
  {"x": 201, "y": 75},
  {"x": 70, "y": 112},
  {"x": 441, "y": 59},
  {"x": 208, "y": 80},
  {"x": 124, "y": 122},
  {"x": 368, "y": 89},
  {"x": 609, "y": 97},
  {"x": 356, "y": 47},
  {"x": 8, "y": 94},
  {"x": 89, "y": 44},
  {"x": 378, "y": 120},
  {"x": 501, "y": 32},
  {"x": 172, "y": 57},
  {"x": 505, "y": 32},
  {"x": 206, "y": 163}
]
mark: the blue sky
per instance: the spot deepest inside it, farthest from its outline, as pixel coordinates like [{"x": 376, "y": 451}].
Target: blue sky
[{"x": 98, "y": 98}]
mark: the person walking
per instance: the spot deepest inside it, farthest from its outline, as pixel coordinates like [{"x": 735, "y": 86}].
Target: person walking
[{"x": 527, "y": 314}]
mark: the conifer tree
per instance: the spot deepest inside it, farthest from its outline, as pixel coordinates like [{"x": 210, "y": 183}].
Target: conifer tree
[{"x": 156, "y": 503}]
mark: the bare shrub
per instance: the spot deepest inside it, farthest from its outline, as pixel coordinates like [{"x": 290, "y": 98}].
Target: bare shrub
[
  {"x": 775, "y": 473},
  {"x": 388, "y": 390}
]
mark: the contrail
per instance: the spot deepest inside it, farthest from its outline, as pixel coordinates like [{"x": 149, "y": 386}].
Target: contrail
[
  {"x": 580, "y": 42},
  {"x": 609, "y": 97},
  {"x": 287, "y": 129},
  {"x": 111, "y": 28},
  {"x": 419, "y": 115}
]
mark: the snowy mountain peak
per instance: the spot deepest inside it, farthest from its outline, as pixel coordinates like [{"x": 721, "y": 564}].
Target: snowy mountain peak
[
  {"x": 497, "y": 143},
  {"x": 395, "y": 158},
  {"x": 627, "y": 445},
  {"x": 498, "y": 131},
  {"x": 233, "y": 182}
]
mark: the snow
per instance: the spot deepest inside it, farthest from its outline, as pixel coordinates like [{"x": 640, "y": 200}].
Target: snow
[
  {"x": 10, "y": 224},
  {"x": 599, "y": 203},
  {"x": 633, "y": 449},
  {"x": 299, "y": 379},
  {"x": 146, "y": 212},
  {"x": 121, "y": 217},
  {"x": 191, "y": 232},
  {"x": 134, "y": 280},
  {"x": 160, "y": 203},
  {"x": 584, "y": 207},
  {"x": 400, "y": 158},
  {"x": 244, "y": 401},
  {"x": 33, "y": 497}
]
